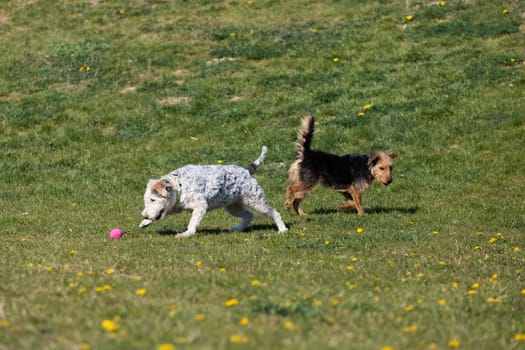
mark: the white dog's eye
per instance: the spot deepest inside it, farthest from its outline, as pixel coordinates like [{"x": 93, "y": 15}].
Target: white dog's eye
[{"x": 152, "y": 199}]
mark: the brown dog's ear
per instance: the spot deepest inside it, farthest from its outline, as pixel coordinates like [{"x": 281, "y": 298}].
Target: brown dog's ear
[
  {"x": 372, "y": 160},
  {"x": 162, "y": 187},
  {"x": 392, "y": 155}
]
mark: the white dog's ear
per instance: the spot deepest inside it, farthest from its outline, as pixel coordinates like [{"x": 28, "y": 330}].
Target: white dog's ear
[{"x": 162, "y": 187}]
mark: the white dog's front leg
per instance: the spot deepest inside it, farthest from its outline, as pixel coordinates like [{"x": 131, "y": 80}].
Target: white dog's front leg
[{"x": 196, "y": 218}]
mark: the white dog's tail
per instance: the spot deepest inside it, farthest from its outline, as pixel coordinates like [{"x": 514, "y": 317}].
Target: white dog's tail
[{"x": 255, "y": 164}]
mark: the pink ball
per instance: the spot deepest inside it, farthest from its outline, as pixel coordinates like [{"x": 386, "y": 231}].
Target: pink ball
[{"x": 115, "y": 233}]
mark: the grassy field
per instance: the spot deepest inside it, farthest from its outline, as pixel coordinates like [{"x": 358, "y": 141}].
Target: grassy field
[{"x": 96, "y": 97}]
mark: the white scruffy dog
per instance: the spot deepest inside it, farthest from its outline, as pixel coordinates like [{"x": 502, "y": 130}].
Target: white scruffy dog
[{"x": 199, "y": 188}]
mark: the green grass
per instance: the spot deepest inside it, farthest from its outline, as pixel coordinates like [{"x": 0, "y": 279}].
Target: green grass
[{"x": 97, "y": 97}]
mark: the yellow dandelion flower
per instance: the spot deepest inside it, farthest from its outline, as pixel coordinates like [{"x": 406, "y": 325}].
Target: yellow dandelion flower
[
  {"x": 519, "y": 337},
  {"x": 220, "y": 161},
  {"x": 493, "y": 300},
  {"x": 72, "y": 252},
  {"x": 505, "y": 11},
  {"x": 453, "y": 343},
  {"x": 359, "y": 230},
  {"x": 435, "y": 233},
  {"x": 222, "y": 270},
  {"x": 335, "y": 301},
  {"x": 85, "y": 346},
  {"x": 49, "y": 269},
  {"x": 409, "y": 307},
  {"x": 166, "y": 346},
  {"x": 442, "y": 263},
  {"x": 349, "y": 268},
  {"x": 367, "y": 106},
  {"x": 200, "y": 317},
  {"x": 103, "y": 288},
  {"x": 239, "y": 339},
  {"x": 317, "y": 303},
  {"x": 361, "y": 114},
  {"x": 409, "y": 18},
  {"x": 442, "y": 3},
  {"x": 173, "y": 310},
  {"x": 289, "y": 325},
  {"x": 351, "y": 286},
  {"x": 472, "y": 292},
  {"x": 231, "y": 302},
  {"x": 313, "y": 30},
  {"x": 198, "y": 263},
  {"x": 256, "y": 283},
  {"x": 109, "y": 271},
  {"x": 442, "y": 302},
  {"x": 110, "y": 326},
  {"x": 354, "y": 259},
  {"x": 523, "y": 291},
  {"x": 5, "y": 323},
  {"x": 141, "y": 292},
  {"x": 475, "y": 285},
  {"x": 335, "y": 59},
  {"x": 326, "y": 242},
  {"x": 455, "y": 284},
  {"x": 492, "y": 240},
  {"x": 387, "y": 347},
  {"x": 517, "y": 249},
  {"x": 410, "y": 328},
  {"x": 244, "y": 321}
]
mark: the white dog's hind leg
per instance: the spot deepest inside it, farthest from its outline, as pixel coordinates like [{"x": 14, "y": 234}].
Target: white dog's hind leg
[
  {"x": 239, "y": 211},
  {"x": 265, "y": 209},
  {"x": 278, "y": 220},
  {"x": 196, "y": 218}
]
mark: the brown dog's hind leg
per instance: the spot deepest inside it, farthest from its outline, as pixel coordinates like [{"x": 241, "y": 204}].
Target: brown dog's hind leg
[
  {"x": 289, "y": 197},
  {"x": 349, "y": 201},
  {"x": 296, "y": 203}
]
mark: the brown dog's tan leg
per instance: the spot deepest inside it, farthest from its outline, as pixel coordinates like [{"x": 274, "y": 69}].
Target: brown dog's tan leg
[
  {"x": 296, "y": 203},
  {"x": 294, "y": 195},
  {"x": 357, "y": 200},
  {"x": 349, "y": 202},
  {"x": 289, "y": 197}
]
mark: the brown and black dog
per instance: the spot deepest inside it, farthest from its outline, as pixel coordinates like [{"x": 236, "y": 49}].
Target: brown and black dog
[{"x": 350, "y": 174}]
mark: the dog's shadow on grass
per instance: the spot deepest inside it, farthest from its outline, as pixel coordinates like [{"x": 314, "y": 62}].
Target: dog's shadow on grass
[
  {"x": 369, "y": 211},
  {"x": 217, "y": 231}
]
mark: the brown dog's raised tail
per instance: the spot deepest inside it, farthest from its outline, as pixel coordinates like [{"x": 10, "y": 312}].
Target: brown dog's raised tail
[{"x": 304, "y": 138}]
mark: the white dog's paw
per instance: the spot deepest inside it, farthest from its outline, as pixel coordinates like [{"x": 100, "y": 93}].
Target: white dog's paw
[
  {"x": 185, "y": 234},
  {"x": 145, "y": 223},
  {"x": 283, "y": 230}
]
